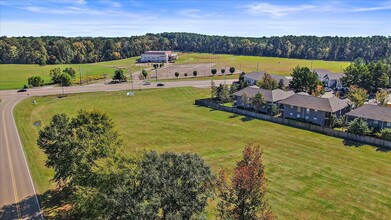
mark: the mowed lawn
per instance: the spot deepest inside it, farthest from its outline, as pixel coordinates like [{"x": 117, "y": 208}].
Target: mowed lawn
[
  {"x": 275, "y": 65},
  {"x": 310, "y": 176},
  {"x": 13, "y": 76}
]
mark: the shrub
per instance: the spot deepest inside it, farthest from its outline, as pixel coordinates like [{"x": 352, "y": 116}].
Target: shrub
[
  {"x": 35, "y": 81},
  {"x": 386, "y": 134},
  {"x": 358, "y": 126}
]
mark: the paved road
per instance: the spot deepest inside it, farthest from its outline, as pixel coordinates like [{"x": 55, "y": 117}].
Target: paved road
[{"x": 18, "y": 198}]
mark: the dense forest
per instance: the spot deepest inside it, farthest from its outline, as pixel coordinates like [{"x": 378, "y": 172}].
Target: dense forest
[{"x": 53, "y": 50}]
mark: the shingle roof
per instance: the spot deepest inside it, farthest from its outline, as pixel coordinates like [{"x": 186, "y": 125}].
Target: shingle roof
[
  {"x": 270, "y": 95},
  {"x": 322, "y": 73},
  {"x": 258, "y": 76},
  {"x": 332, "y": 104},
  {"x": 375, "y": 112}
]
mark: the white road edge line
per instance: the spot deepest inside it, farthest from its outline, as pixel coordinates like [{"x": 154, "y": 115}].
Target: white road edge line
[{"x": 24, "y": 157}]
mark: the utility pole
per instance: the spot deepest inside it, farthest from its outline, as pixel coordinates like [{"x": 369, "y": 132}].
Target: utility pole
[
  {"x": 131, "y": 78},
  {"x": 87, "y": 76},
  {"x": 62, "y": 87},
  {"x": 79, "y": 74},
  {"x": 311, "y": 65},
  {"x": 155, "y": 66}
]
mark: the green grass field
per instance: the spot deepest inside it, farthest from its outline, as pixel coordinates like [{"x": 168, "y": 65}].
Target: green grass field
[
  {"x": 276, "y": 65},
  {"x": 14, "y": 76},
  {"x": 310, "y": 176}
]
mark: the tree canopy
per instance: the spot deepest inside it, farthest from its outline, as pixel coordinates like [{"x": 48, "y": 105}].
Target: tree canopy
[
  {"x": 55, "y": 50},
  {"x": 245, "y": 197},
  {"x": 74, "y": 145},
  {"x": 304, "y": 80},
  {"x": 267, "y": 82}
]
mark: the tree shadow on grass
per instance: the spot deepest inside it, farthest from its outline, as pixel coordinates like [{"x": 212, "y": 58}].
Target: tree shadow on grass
[
  {"x": 52, "y": 203},
  {"x": 246, "y": 119},
  {"x": 350, "y": 143},
  {"x": 233, "y": 116}
]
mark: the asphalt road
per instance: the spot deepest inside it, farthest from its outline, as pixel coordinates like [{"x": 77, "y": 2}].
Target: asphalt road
[{"x": 18, "y": 198}]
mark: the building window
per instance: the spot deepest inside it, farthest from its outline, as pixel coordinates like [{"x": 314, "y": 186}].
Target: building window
[
  {"x": 375, "y": 121},
  {"x": 388, "y": 124},
  {"x": 316, "y": 110},
  {"x": 308, "y": 110},
  {"x": 298, "y": 115},
  {"x": 307, "y": 117},
  {"x": 291, "y": 106},
  {"x": 291, "y": 113},
  {"x": 298, "y": 109},
  {"x": 315, "y": 119}
]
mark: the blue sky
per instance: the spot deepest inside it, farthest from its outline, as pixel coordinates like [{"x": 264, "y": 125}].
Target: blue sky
[{"x": 111, "y": 18}]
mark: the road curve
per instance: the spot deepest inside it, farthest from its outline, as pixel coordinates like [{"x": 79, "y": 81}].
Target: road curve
[{"x": 18, "y": 199}]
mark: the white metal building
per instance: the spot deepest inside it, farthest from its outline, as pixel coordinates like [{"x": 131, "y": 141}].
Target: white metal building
[{"x": 158, "y": 56}]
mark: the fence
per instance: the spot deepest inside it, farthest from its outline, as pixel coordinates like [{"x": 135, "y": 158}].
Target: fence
[{"x": 297, "y": 124}]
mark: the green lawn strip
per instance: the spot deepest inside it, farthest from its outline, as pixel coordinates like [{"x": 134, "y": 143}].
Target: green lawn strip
[
  {"x": 276, "y": 65},
  {"x": 13, "y": 76},
  {"x": 310, "y": 175}
]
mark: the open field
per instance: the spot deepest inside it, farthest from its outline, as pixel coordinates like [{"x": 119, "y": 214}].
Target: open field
[
  {"x": 13, "y": 76},
  {"x": 310, "y": 176},
  {"x": 276, "y": 65}
]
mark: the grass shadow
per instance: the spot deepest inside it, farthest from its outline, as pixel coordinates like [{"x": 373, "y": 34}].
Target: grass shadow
[
  {"x": 246, "y": 119},
  {"x": 233, "y": 116},
  {"x": 350, "y": 143}
]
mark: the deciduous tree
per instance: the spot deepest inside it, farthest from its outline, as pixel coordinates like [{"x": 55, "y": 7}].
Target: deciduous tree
[
  {"x": 258, "y": 101},
  {"x": 382, "y": 97},
  {"x": 73, "y": 146},
  {"x": 232, "y": 70},
  {"x": 144, "y": 73},
  {"x": 35, "y": 81},
  {"x": 213, "y": 71},
  {"x": 119, "y": 75},
  {"x": 357, "y": 95},
  {"x": 244, "y": 198},
  {"x": 304, "y": 80},
  {"x": 267, "y": 82}
]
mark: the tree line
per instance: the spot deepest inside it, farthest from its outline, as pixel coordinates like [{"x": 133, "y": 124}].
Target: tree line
[
  {"x": 100, "y": 181},
  {"x": 54, "y": 50}
]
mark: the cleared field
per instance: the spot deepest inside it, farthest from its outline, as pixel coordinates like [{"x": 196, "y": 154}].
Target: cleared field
[
  {"x": 276, "y": 65},
  {"x": 310, "y": 176},
  {"x": 13, "y": 76}
]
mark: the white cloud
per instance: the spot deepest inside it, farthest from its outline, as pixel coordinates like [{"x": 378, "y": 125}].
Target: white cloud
[
  {"x": 274, "y": 10},
  {"x": 191, "y": 13},
  {"x": 111, "y": 3},
  {"x": 384, "y": 6}
]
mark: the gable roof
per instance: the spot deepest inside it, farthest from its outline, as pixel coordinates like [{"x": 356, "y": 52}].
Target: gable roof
[
  {"x": 270, "y": 95},
  {"x": 332, "y": 104},
  {"x": 322, "y": 73},
  {"x": 259, "y": 75},
  {"x": 375, "y": 112}
]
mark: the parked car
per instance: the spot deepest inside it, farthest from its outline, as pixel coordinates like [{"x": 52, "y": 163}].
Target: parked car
[
  {"x": 147, "y": 83},
  {"x": 22, "y": 90},
  {"x": 327, "y": 89},
  {"x": 160, "y": 84}
]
